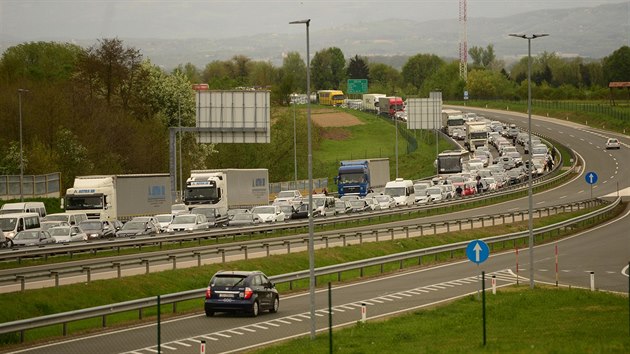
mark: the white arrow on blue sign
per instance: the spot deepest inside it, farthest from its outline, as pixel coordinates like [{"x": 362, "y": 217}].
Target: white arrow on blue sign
[
  {"x": 591, "y": 177},
  {"x": 477, "y": 251}
]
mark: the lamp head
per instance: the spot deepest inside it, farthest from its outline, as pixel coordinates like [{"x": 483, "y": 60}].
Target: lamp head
[{"x": 307, "y": 22}]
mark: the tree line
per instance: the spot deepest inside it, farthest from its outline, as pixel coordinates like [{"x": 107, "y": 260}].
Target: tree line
[{"x": 107, "y": 109}]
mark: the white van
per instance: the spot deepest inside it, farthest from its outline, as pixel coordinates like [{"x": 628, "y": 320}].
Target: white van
[
  {"x": 11, "y": 224},
  {"x": 401, "y": 190},
  {"x": 70, "y": 218},
  {"x": 24, "y": 207}
]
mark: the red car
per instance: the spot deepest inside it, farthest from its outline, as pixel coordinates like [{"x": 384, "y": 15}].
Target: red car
[{"x": 469, "y": 189}]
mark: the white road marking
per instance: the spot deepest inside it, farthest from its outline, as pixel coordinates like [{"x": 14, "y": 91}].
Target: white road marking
[
  {"x": 182, "y": 344},
  {"x": 564, "y": 196},
  {"x": 248, "y": 329},
  {"x": 223, "y": 335},
  {"x": 283, "y": 321},
  {"x": 263, "y": 327}
]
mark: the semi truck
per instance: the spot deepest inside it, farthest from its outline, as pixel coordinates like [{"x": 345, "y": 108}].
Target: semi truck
[
  {"x": 476, "y": 135},
  {"x": 359, "y": 177},
  {"x": 119, "y": 197},
  {"x": 389, "y": 105},
  {"x": 452, "y": 121},
  {"x": 227, "y": 189},
  {"x": 370, "y": 101}
]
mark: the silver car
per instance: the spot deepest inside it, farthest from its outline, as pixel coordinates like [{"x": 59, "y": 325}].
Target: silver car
[{"x": 68, "y": 234}]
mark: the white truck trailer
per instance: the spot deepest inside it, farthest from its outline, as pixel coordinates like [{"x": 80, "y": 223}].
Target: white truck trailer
[
  {"x": 227, "y": 189},
  {"x": 370, "y": 101},
  {"x": 121, "y": 197}
]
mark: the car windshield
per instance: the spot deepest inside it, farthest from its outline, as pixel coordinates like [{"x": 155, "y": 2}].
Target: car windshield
[
  {"x": 179, "y": 207},
  {"x": 264, "y": 210},
  {"x": 383, "y": 198},
  {"x": 395, "y": 191},
  {"x": 91, "y": 225},
  {"x": 57, "y": 217},
  {"x": 286, "y": 194},
  {"x": 419, "y": 189},
  {"x": 27, "y": 235},
  {"x": 164, "y": 218},
  {"x": 227, "y": 280},
  {"x": 285, "y": 208},
  {"x": 434, "y": 191},
  {"x": 244, "y": 216},
  {"x": 60, "y": 231},
  {"x": 8, "y": 224},
  {"x": 357, "y": 203},
  {"x": 318, "y": 201},
  {"x": 134, "y": 225},
  {"x": 185, "y": 219}
]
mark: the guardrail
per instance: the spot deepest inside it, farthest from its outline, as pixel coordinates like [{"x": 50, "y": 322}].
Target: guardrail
[
  {"x": 63, "y": 319},
  {"x": 118, "y": 244},
  {"x": 118, "y": 263}
]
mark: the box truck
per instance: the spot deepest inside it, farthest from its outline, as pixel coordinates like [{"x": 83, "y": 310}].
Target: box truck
[
  {"x": 370, "y": 101},
  {"x": 120, "y": 197},
  {"x": 227, "y": 189},
  {"x": 359, "y": 177},
  {"x": 388, "y": 106}
]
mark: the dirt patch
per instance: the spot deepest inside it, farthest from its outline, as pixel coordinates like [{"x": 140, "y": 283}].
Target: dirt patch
[
  {"x": 326, "y": 118},
  {"x": 336, "y": 134}
]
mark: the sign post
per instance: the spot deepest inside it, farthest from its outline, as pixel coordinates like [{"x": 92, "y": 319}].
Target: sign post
[
  {"x": 591, "y": 179},
  {"x": 477, "y": 252}
]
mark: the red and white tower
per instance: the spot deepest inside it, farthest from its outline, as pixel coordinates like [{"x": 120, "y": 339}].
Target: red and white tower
[{"x": 463, "y": 41}]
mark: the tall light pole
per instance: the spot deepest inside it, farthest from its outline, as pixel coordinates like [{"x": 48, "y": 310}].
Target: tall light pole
[
  {"x": 311, "y": 244},
  {"x": 294, "y": 145},
  {"x": 20, "y": 91},
  {"x": 529, "y": 159}
]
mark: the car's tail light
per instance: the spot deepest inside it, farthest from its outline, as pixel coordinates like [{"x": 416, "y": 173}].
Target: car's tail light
[
  {"x": 208, "y": 293},
  {"x": 248, "y": 293}
]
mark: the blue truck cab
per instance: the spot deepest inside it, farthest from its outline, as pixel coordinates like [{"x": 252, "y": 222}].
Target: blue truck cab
[{"x": 353, "y": 178}]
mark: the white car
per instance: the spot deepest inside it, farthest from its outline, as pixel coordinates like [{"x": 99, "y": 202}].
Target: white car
[
  {"x": 292, "y": 196},
  {"x": 435, "y": 193},
  {"x": 269, "y": 213},
  {"x": 613, "y": 143},
  {"x": 164, "y": 220},
  {"x": 63, "y": 234},
  {"x": 188, "y": 222},
  {"x": 385, "y": 201}
]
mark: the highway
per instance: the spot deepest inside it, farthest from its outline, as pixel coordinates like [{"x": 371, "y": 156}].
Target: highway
[{"x": 604, "y": 250}]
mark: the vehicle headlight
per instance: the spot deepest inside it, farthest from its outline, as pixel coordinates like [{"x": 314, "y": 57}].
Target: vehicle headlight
[
  {"x": 10, "y": 234},
  {"x": 93, "y": 235}
]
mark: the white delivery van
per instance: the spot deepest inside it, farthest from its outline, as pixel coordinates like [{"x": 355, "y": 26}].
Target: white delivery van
[
  {"x": 401, "y": 190},
  {"x": 11, "y": 224},
  {"x": 24, "y": 207}
]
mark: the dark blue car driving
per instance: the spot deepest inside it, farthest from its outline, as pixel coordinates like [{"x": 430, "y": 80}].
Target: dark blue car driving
[{"x": 241, "y": 291}]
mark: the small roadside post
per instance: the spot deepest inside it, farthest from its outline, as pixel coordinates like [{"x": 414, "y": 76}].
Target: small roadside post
[
  {"x": 477, "y": 252},
  {"x": 591, "y": 179}
]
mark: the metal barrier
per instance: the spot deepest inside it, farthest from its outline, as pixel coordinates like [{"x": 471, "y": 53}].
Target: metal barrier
[{"x": 21, "y": 326}]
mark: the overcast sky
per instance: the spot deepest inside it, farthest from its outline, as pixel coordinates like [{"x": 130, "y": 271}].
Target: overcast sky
[{"x": 31, "y": 20}]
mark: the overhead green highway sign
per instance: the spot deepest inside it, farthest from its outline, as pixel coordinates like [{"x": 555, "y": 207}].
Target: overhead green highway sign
[{"x": 357, "y": 86}]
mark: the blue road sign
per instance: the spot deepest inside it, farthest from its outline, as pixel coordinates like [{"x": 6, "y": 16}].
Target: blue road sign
[
  {"x": 477, "y": 251},
  {"x": 591, "y": 177}
]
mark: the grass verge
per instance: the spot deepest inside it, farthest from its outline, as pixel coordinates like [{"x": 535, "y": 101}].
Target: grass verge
[
  {"x": 39, "y": 302},
  {"x": 518, "y": 320}
]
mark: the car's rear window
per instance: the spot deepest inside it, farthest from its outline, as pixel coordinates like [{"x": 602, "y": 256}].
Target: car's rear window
[{"x": 227, "y": 280}]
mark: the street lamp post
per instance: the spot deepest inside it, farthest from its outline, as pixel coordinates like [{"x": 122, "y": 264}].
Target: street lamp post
[
  {"x": 311, "y": 245},
  {"x": 294, "y": 146},
  {"x": 530, "y": 196},
  {"x": 20, "y": 91}
]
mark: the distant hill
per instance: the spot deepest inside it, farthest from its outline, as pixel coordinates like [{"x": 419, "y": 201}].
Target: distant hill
[{"x": 592, "y": 32}]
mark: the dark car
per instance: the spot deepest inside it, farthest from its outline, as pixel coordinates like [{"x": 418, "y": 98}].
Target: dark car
[
  {"x": 301, "y": 212},
  {"x": 32, "y": 238},
  {"x": 241, "y": 291},
  {"x": 137, "y": 228},
  {"x": 96, "y": 229}
]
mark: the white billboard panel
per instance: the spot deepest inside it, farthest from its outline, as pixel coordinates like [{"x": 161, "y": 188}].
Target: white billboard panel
[
  {"x": 234, "y": 116},
  {"x": 424, "y": 113}
]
